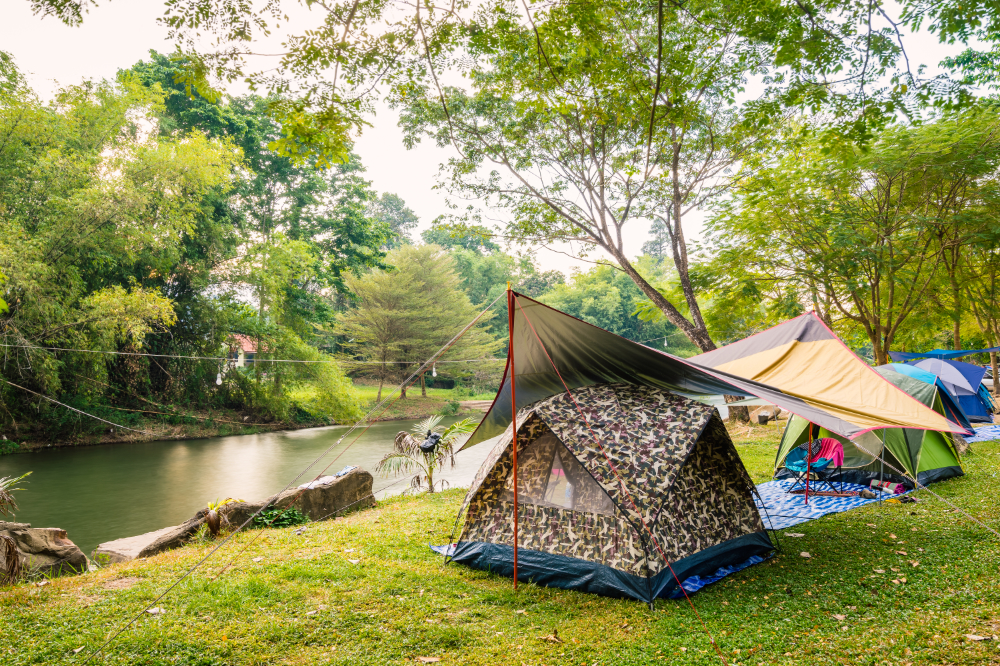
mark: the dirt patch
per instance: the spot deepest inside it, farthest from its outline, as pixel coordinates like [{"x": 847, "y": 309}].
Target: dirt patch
[{"x": 121, "y": 583}]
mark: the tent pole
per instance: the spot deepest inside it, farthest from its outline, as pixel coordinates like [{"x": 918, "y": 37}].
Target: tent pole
[{"x": 513, "y": 410}]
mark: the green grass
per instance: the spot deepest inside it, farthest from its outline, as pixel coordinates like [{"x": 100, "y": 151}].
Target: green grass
[{"x": 399, "y": 602}]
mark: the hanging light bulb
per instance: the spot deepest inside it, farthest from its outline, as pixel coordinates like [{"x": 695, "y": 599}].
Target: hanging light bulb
[
  {"x": 218, "y": 379},
  {"x": 434, "y": 370}
]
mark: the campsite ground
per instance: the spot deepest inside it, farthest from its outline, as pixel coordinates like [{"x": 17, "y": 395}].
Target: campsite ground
[{"x": 365, "y": 589}]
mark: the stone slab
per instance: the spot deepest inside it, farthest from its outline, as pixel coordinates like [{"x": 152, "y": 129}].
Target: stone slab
[
  {"x": 123, "y": 550},
  {"x": 347, "y": 492}
]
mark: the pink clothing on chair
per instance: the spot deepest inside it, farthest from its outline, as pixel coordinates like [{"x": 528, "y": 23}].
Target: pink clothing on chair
[{"x": 832, "y": 450}]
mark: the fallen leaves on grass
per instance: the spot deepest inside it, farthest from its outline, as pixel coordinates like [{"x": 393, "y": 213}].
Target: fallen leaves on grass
[
  {"x": 551, "y": 638},
  {"x": 428, "y": 660},
  {"x": 155, "y": 610},
  {"x": 794, "y": 534},
  {"x": 840, "y": 618},
  {"x": 805, "y": 554}
]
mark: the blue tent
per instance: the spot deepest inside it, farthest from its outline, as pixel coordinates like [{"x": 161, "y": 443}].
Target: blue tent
[
  {"x": 938, "y": 353},
  {"x": 964, "y": 381},
  {"x": 952, "y": 409}
]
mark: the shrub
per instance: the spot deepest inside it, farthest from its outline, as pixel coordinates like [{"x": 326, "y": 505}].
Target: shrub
[{"x": 276, "y": 517}]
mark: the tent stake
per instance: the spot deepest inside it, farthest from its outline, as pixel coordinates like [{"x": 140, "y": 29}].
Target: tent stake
[{"x": 513, "y": 411}]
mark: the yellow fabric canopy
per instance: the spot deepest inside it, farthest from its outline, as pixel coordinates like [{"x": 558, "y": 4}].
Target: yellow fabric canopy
[{"x": 805, "y": 359}]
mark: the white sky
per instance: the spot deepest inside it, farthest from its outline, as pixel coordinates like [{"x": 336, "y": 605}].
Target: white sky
[{"x": 118, "y": 34}]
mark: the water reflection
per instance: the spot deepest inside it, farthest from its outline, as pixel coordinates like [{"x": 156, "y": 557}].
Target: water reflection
[{"x": 106, "y": 492}]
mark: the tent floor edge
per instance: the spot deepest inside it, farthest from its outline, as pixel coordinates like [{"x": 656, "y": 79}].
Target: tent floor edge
[
  {"x": 571, "y": 573},
  {"x": 865, "y": 477}
]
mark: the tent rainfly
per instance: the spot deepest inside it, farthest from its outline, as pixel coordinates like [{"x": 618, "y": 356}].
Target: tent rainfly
[
  {"x": 611, "y": 474},
  {"x": 964, "y": 381},
  {"x": 836, "y": 390}
]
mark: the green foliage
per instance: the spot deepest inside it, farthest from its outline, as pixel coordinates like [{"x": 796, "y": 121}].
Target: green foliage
[
  {"x": 391, "y": 211},
  {"x": 877, "y": 237},
  {"x": 7, "y": 490},
  {"x": 451, "y": 408},
  {"x": 604, "y": 296},
  {"x": 278, "y": 518}
]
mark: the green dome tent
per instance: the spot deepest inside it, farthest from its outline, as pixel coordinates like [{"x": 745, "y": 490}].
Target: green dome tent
[{"x": 925, "y": 455}]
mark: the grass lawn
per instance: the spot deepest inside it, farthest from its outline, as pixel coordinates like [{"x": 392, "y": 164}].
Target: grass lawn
[
  {"x": 305, "y": 602},
  {"x": 414, "y": 405}
]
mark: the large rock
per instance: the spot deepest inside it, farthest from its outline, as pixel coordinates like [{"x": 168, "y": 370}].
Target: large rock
[
  {"x": 320, "y": 500},
  {"x": 46, "y": 550}
]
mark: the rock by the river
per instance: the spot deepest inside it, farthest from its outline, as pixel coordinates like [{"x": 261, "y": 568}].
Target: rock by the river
[
  {"x": 45, "y": 550},
  {"x": 349, "y": 491}
]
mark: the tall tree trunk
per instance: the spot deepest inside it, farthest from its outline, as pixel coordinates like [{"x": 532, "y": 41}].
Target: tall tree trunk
[
  {"x": 423, "y": 386},
  {"x": 381, "y": 379},
  {"x": 698, "y": 336},
  {"x": 996, "y": 379}
]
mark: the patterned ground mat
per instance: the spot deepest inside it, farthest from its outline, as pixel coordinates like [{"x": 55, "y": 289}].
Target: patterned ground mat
[
  {"x": 985, "y": 434},
  {"x": 779, "y": 509}
]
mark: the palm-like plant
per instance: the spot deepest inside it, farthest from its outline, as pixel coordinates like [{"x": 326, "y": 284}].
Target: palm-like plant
[
  {"x": 7, "y": 490},
  {"x": 213, "y": 518},
  {"x": 10, "y": 558},
  {"x": 407, "y": 457}
]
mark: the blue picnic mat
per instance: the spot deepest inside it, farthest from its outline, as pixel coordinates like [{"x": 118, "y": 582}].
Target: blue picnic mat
[
  {"x": 779, "y": 509},
  {"x": 984, "y": 434}
]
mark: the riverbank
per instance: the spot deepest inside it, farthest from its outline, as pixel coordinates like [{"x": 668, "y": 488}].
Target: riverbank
[
  {"x": 365, "y": 589},
  {"x": 185, "y": 424}
]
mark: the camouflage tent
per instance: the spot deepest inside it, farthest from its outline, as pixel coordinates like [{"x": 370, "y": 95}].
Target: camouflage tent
[{"x": 614, "y": 481}]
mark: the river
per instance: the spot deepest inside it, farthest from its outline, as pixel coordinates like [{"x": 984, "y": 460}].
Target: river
[{"x": 101, "y": 493}]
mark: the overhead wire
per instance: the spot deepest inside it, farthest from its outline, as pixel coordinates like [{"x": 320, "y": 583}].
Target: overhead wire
[
  {"x": 229, "y": 358},
  {"x": 382, "y": 404},
  {"x": 78, "y": 411}
]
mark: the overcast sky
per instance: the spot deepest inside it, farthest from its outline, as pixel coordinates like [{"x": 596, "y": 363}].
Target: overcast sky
[{"x": 118, "y": 34}]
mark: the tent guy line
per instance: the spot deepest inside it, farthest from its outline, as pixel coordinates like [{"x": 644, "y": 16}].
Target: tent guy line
[{"x": 383, "y": 404}]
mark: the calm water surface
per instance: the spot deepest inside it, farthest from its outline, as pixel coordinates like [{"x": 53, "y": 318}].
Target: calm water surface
[{"x": 101, "y": 493}]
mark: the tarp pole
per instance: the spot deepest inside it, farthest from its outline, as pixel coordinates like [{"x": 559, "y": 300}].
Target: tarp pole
[
  {"x": 513, "y": 410},
  {"x": 881, "y": 465},
  {"x": 809, "y": 448}
]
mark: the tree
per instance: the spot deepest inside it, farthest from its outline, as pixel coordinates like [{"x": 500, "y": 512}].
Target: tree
[
  {"x": 470, "y": 237},
  {"x": 391, "y": 211},
  {"x": 623, "y": 118},
  {"x": 405, "y": 315},
  {"x": 869, "y": 230},
  {"x": 89, "y": 201}
]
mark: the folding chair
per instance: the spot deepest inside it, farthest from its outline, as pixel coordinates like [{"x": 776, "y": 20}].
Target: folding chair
[{"x": 795, "y": 462}]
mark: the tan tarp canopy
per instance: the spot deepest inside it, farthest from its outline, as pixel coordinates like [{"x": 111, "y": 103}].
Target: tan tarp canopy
[
  {"x": 805, "y": 359},
  {"x": 550, "y": 347}
]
